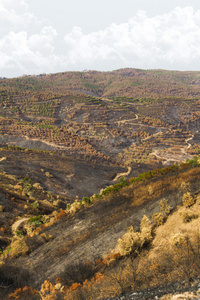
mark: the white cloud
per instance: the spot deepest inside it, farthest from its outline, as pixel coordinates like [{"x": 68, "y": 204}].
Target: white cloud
[
  {"x": 30, "y": 55},
  {"x": 14, "y": 15},
  {"x": 28, "y": 45},
  {"x": 169, "y": 40}
]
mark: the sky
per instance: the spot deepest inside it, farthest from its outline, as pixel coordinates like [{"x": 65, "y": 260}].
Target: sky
[{"x": 49, "y": 36}]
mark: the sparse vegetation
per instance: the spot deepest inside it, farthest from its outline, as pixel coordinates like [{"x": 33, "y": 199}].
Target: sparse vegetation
[{"x": 76, "y": 133}]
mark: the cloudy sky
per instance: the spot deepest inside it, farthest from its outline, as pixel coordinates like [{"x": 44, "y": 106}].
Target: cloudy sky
[{"x": 48, "y": 36}]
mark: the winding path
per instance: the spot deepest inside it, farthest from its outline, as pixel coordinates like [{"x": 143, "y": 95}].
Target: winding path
[
  {"x": 123, "y": 174},
  {"x": 16, "y": 225},
  {"x": 161, "y": 157},
  {"x": 58, "y": 146},
  {"x": 189, "y": 139},
  {"x": 126, "y": 121},
  {"x": 182, "y": 150},
  {"x": 2, "y": 159}
]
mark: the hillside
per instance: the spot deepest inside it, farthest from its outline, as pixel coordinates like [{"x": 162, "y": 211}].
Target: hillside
[
  {"x": 57, "y": 174},
  {"x": 99, "y": 183},
  {"x": 81, "y": 242},
  {"x": 114, "y": 118}
]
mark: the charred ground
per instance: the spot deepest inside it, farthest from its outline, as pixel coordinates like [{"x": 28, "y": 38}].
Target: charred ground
[{"x": 63, "y": 138}]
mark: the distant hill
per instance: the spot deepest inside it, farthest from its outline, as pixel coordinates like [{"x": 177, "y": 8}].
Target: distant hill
[
  {"x": 120, "y": 118},
  {"x": 124, "y": 82}
]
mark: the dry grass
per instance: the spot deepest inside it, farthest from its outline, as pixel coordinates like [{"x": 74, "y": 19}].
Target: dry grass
[
  {"x": 18, "y": 248},
  {"x": 175, "y": 226},
  {"x": 174, "y": 254}
]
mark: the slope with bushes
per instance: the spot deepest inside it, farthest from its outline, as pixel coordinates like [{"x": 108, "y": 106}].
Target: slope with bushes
[{"x": 106, "y": 246}]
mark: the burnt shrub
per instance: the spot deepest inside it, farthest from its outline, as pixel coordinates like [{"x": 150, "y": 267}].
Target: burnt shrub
[
  {"x": 77, "y": 273},
  {"x": 12, "y": 277}
]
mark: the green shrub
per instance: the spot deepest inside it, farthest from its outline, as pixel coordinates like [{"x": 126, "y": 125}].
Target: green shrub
[
  {"x": 36, "y": 221},
  {"x": 35, "y": 205},
  {"x": 123, "y": 181},
  {"x": 116, "y": 187},
  {"x": 107, "y": 190},
  {"x": 18, "y": 233},
  {"x": 153, "y": 173},
  {"x": 173, "y": 168},
  {"x": 27, "y": 185},
  {"x": 86, "y": 200},
  {"x": 193, "y": 162}
]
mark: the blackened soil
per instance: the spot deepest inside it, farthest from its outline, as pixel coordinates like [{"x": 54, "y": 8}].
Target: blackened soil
[
  {"x": 91, "y": 232},
  {"x": 57, "y": 174}
]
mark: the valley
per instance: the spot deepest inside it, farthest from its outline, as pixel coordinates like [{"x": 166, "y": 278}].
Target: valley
[{"x": 95, "y": 167}]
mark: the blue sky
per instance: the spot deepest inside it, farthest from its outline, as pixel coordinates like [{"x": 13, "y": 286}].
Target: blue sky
[{"x": 48, "y": 36}]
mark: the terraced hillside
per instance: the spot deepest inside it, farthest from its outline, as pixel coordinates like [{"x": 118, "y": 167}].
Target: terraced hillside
[{"x": 124, "y": 117}]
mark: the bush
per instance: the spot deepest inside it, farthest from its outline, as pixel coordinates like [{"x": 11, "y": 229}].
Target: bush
[
  {"x": 24, "y": 294},
  {"x": 158, "y": 218},
  {"x": 107, "y": 190},
  {"x": 27, "y": 185},
  {"x": 77, "y": 273},
  {"x": 133, "y": 242},
  {"x": 164, "y": 207},
  {"x": 86, "y": 200},
  {"x": 123, "y": 181},
  {"x": 189, "y": 216},
  {"x": 18, "y": 233},
  {"x": 35, "y": 205},
  {"x": 193, "y": 162},
  {"x": 177, "y": 239},
  {"x": 18, "y": 248},
  {"x": 145, "y": 231},
  {"x": 188, "y": 199},
  {"x": 36, "y": 221},
  {"x": 76, "y": 205},
  {"x": 129, "y": 242}
]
